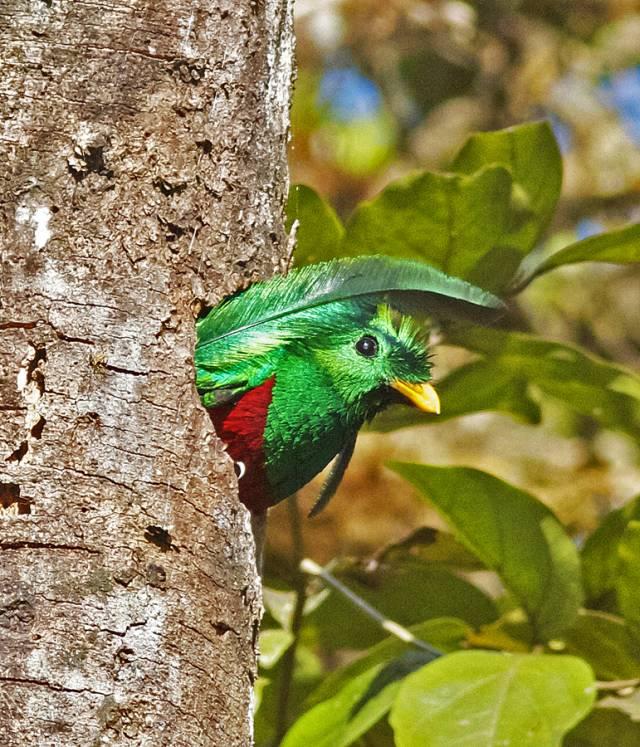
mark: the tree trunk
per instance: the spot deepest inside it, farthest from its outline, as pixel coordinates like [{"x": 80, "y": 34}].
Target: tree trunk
[{"x": 142, "y": 175}]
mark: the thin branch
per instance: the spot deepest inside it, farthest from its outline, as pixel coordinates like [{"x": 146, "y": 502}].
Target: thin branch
[
  {"x": 392, "y": 627},
  {"x": 289, "y": 659},
  {"x": 618, "y": 684}
]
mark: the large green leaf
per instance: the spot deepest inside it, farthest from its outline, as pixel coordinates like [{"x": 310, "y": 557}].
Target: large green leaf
[
  {"x": 600, "y": 552},
  {"x": 621, "y": 246},
  {"x": 355, "y": 697},
  {"x": 606, "y": 643},
  {"x": 475, "y": 387},
  {"x": 319, "y": 232},
  {"x": 484, "y": 699},
  {"x": 587, "y": 384},
  {"x": 407, "y": 592},
  {"x": 531, "y": 154},
  {"x": 362, "y": 702},
  {"x": 443, "y": 633},
  {"x": 432, "y": 546},
  {"x": 628, "y": 576},
  {"x": 451, "y": 221},
  {"x": 514, "y": 534}
]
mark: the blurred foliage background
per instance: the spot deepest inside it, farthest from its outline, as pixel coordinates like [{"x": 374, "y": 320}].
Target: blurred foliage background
[{"x": 389, "y": 86}]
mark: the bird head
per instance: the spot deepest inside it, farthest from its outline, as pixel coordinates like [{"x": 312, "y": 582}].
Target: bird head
[{"x": 374, "y": 356}]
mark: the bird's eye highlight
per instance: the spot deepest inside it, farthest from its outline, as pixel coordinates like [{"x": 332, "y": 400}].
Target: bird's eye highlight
[{"x": 367, "y": 346}]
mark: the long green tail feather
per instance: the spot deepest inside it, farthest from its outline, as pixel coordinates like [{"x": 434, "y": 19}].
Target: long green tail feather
[{"x": 399, "y": 282}]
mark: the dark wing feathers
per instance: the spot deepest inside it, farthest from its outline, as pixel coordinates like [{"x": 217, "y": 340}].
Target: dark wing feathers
[{"x": 332, "y": 482}]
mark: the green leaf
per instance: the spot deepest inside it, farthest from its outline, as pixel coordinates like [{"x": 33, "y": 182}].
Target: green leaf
[
  {"x": 444, "y": 633},
  {"x": 319, "y": 232},
  {"x": 280, "y": 604},
  {"x": 308, "y": 672},
  {"x": 605, "y": 642},
  {"x": 605, "y": 727},
  {"x": 514, "y": 534},
  {"x": 408, "y": 592},
  {"x": 341, "y": 720},
  {"x": 600, "y": 551},
  {"x": 475, "y": 387},
  {"x": 490, "y": 699},
  {"x": 273, "y": 643},
  {"x": 352, "y": 699},
  {"x": 621, "y": 246},
  {"x": 531, "y": 154},
  {"x": 628, "y": 576},
  {"x": 587, "y": 384},
  {"x": 451, "y": 221},
  {"x": 431, "y": 546}
]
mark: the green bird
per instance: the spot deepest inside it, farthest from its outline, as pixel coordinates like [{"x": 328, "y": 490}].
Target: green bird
[{"x": 291, "y": 368}]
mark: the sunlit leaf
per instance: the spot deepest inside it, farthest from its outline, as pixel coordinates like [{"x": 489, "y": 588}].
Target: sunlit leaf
[
  {"x": 279, "y": 604},
  {"x": 361, "y": 146},
  {"x": 443, "y": 633},
  {"x": 273, "y": 643},
  {"x": 261, "y": 684},
  {"x": 591, "y": 386},
  {"x": 357, "y": 706},
  {"x": 531, "y": 154},
  {"x": 319, "y": 230},
  {"x": 621, "y": 246},
  {"x": 490, "y": 699},
  {"x": 450, "y": 221},
  {"x": 355, "y": 697},
  {"x": 512, "y": 533}
]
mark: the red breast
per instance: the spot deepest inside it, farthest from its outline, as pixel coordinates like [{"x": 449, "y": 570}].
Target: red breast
[{"x": 241, "y": 426}]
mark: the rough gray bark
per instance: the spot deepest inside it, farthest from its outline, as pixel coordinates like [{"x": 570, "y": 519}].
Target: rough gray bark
[{"x": 142, "y": 174}]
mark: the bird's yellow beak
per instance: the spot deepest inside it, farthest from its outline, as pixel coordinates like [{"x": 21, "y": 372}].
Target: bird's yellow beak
[{"x": 423, "y": 396}]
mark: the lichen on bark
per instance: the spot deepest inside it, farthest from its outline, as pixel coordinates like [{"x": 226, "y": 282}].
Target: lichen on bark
[{"x": 142, "y": 175}]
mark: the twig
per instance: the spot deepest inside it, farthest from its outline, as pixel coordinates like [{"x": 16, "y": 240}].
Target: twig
[
  {"x": 618, "y": 684},
  {"x": 289, "y": 659},
  {"x": 313, "y": 569},
  {"x": 259, "y": 531}
]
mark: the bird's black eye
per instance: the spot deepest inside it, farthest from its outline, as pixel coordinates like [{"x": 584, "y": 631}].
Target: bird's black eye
[{"x": 367, "y": 346}]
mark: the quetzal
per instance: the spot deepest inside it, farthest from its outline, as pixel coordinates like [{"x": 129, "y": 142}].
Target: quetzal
[{"x": 291, "y": 368}]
